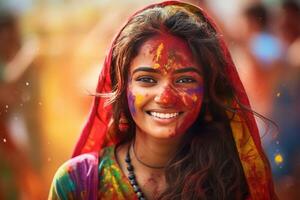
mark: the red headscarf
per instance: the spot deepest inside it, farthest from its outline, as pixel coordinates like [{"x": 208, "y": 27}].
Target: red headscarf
[{"x": 244, "y": 128}]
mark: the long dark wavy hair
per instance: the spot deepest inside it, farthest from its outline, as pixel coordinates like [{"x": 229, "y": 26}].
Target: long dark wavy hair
[{"x": 207, "y": 165}]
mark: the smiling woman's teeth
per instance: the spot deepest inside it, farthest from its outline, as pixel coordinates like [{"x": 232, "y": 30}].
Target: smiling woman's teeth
[{"x": 164, "y": 115}]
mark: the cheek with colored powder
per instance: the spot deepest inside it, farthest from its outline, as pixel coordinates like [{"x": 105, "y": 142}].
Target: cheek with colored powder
[
  {"x": 193, "y": 95},
  {"x": 192, "y": 100},
  {"x": 189, "y": 97},
  {"x": 139, "y": 100},
  {"x": 131, "y": 102},
  {"x": 169, "y": 96},
  {"x": 134, "y": 101}
]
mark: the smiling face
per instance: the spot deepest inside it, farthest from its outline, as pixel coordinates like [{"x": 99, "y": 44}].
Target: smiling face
[{"x": 165, "y": 87}]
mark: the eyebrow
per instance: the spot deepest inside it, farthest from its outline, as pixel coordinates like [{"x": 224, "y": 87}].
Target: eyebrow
[
  {"x": 188, "y": 69},
  {"x": 145, "y": 69},
  {"x": 178, "y": 71}
]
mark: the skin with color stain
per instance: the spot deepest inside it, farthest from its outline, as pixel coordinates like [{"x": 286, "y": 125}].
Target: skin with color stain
[{"x": 154, "y": 184}]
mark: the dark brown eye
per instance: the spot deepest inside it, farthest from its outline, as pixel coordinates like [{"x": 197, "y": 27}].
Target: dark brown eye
[
  {"x": 146, "y": 79},
  {"x": 186, "y": 80}
]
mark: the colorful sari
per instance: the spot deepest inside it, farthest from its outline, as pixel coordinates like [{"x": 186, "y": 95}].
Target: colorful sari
[
  {"x": 94, "y": 137},
  {"x": 79, "y": 177}
]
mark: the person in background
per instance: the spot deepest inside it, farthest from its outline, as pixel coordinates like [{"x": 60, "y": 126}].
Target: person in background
[
  {"x": 265, "y": 57},
  {"x": 18, "y": 179},
  {"x": 286, "y": 113}
]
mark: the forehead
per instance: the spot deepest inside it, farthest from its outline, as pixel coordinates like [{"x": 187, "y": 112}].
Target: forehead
[
  {"x": 168, "y": 41},
  {"x": 164, "y": 51},
  {"x": 166, "y": 44}
]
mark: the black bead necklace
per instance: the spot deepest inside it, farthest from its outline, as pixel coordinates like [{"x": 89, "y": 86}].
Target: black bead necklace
[{"x": 132, "y": 178}]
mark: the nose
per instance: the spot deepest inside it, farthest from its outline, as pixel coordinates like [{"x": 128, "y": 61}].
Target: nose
[{"x": 167, "y": 97}]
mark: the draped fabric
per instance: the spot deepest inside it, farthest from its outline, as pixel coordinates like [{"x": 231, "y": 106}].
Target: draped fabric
[
  {"x": 83, "y": 177},
  {"x": 244, "y": 128},
  {"x": 76, "y": 179}
]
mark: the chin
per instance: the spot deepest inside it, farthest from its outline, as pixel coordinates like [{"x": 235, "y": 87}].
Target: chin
[{"x": 166, "y": 134}]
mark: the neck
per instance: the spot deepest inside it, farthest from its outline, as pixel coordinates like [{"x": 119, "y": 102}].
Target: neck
[{"x": 155, "y": 151}]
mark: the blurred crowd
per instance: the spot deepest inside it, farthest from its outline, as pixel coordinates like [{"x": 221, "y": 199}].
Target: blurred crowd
[{"x": 51, "y": 54}]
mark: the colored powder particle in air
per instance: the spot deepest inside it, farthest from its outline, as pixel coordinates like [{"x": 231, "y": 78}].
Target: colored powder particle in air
[
  {"x": 278, "y": 159},
  {"x": 131, "y": 102},
  {"x": 278, "y": 94}
]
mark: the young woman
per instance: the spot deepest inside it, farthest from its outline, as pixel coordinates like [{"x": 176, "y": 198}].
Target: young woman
[{"x": 170, "y": 120}]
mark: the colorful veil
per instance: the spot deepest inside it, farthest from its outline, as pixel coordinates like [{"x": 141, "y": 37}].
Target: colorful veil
[{"x": 243, "y": 125}]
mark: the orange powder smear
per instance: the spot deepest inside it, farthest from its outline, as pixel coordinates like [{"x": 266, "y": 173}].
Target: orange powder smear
[
  {"x": 159, "y": 51},
  {"x": 194, "y": 98},
  {"x": 138, "y": 99},
  {"x": 156, "y": 66},
  {"x": 170, "y": 63}
]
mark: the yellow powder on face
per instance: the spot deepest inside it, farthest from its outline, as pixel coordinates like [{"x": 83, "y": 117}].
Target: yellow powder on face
[
  {"x": 156, "y": 66},
  {"x": 170, "y": 63},
  {"x": 158, "y": 52},
  {"x": 138, "y": 99},
  {"x": 194, "y": 98}
]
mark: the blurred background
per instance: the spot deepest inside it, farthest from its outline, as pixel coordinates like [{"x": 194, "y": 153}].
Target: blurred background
[{"x": 51, "y": 53}]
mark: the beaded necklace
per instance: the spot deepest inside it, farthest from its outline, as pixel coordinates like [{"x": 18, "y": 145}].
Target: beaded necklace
[{"x": 132, "y": 178}]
